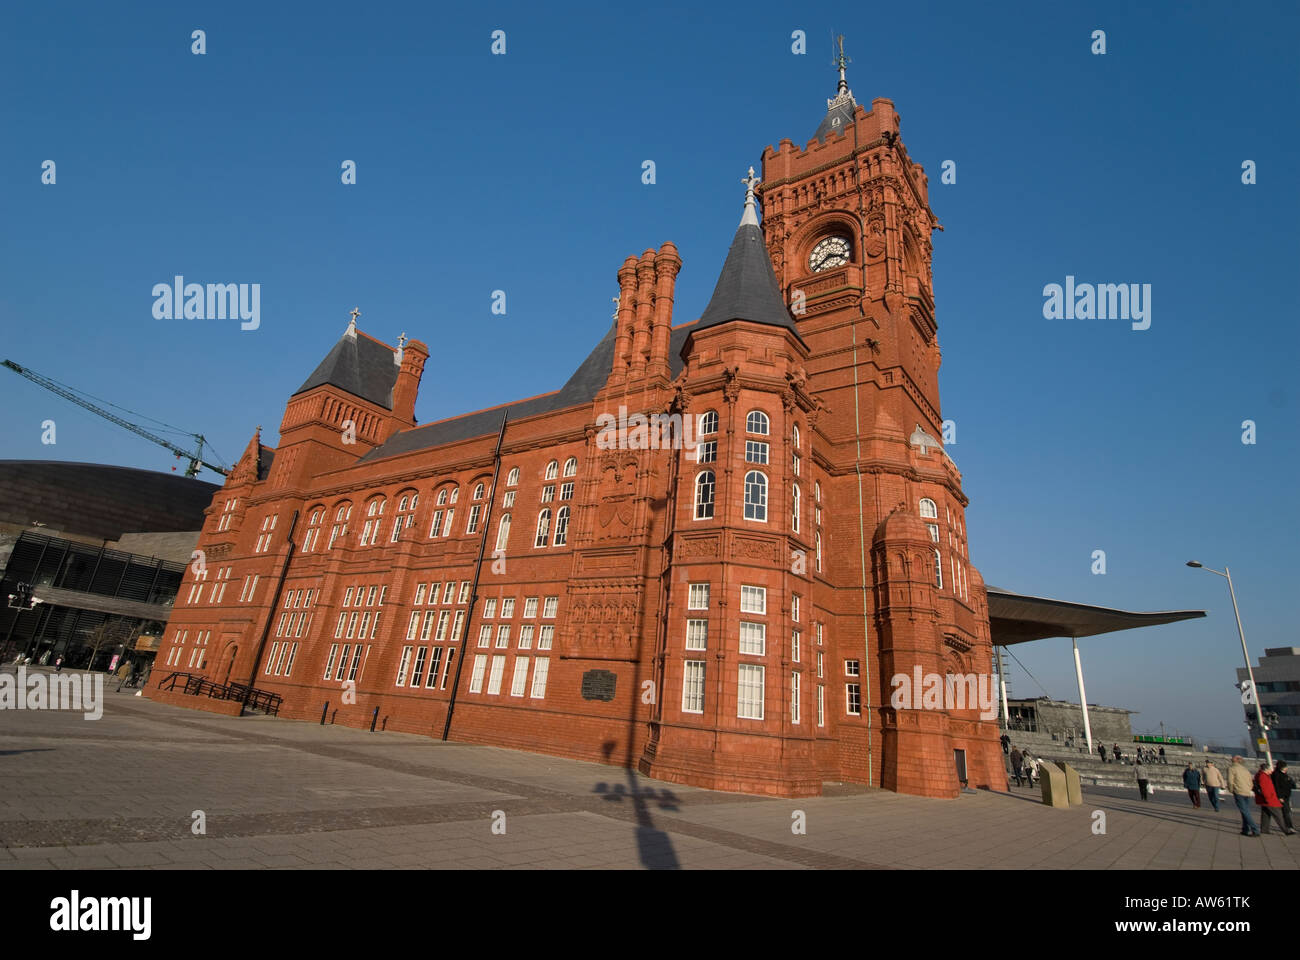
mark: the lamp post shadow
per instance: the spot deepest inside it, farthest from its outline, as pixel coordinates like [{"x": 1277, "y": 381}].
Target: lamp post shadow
[{"x": 654, "y": 846}]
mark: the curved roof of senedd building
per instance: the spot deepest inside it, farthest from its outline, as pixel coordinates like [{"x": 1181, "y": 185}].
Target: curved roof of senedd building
[{"x": 100, "y": 500}]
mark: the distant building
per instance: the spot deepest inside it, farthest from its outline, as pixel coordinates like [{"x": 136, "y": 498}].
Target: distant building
[
  {"x": 1063, "y": 720},
  {"x": 103, "y": 549},
  {"x": 1277, "y": 677}
]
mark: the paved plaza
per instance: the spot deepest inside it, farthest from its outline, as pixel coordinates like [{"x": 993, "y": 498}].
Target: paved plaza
[{"x": 123, "y": 791}]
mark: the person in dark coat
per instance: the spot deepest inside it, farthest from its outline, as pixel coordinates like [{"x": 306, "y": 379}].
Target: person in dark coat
[
  {"x": 1140, "y": 773},
  {"x": 1114, "y": 751},
  {"x": 1192, "y": 781},
  {"x": 1162, "y": 755},
  {"x": 1101, "y": 748},
  {"x": 1006, "y": 743},
  {"x": 1282, "y": 786},
  {"x": 1016, "y": 761},
  {"x": 1270, "y": 807}
]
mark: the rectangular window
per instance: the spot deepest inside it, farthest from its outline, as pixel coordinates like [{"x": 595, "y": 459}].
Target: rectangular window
[
  {"x": 530, "y": 607},
  {"x": 293, "y": 654},
  {"x": 485, "y": 635},
  {"x": 693, "y": 687},
  {"x": 434, "y": 664},
  {"x": 749, "y": 692},
  {"x": 508, "y": 607},
  {"x": 819, "y": 634},
  {"x": 419, "y": 594},
  {"x": 526, "y": 637},
  {"x": 794, "y": 698},
  {"x": 284, "y": 622},
  {"x": 414, "y": 625},
  {"x": 476, "y": 676},
  {"x": 343, "y": 660},
  {"x": 794, "y": 645},
  {"x": 551, "y": 606},
  {"x": 548, "y": 493},
  {"x": 450, "y": 592},
  {"x": 503, "y": 635},
  {"x": 329, "y": 664},
  {"x": 446, "y": 524},
  {"x": 755, "y": 451},
  {"x": 428, "y": 623},
  {"x": 442, "y": 625},
  {"x": 358, "y": 661},
  {"x": 365, "y": 625},
  {"x": 436, "y": 526},
  {"x": 753, "y": 638},
  {"x": 472, "y": 525},
  {"x": 520, "y": 678},
  {"x": 821, "y": 705},
  {"x": 347, "y": 597},
  {"x": 494, "y": 678},
  {"x": 794, "y": 608},
  {"x": 706, "y": 451},
  {"x": 434, "y": 590},
  {"x": 544, "y": 637},
  {"x": 352, "y": 625},
  {"x": 698, "y": 598},
  {"x": 270, "y": 658},
  {"x": 697, "y": 633},
  {"x": 370, "y": 596},
  {"x": 509, "y": 500},
  {"x": 819, "y": 664},
  {"x": 457, "y": 624},
  {"x": 489, "y": 608},
  {"x": 541, "y": 667},
  {"x": 566, "y": 491},
  {"x": 418, "y": 673},
  {"x": 851, "y": 668},
  {"x": 446, "y": 670},
  {"x": 753, "y": 599},
  {"x": 853, "y": 699}
]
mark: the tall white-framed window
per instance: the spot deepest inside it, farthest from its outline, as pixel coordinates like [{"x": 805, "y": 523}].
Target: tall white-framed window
[
  {"x": 794, "y": 697},
  {"x": 704, "y": 492},
  {"x": 485, "y": 635},
  {"x": 404, "y": 665},
  {"x": 313, "y": 529},
  {"x": 566, "y": 491},
  {"x": 749, "y": 691},
  {"x": 756, "y": 496},
  {"x": 512, "y": 478},
  {"x": 794, "y": 607},
  {"x": 697, "y": 634},
  {"x": 340, "y": 527},
  {"x": 442, "y": 496},
  {"x": 405, "y": 514},
  {"x": 503, "y": 636},
  {"x": 552, "y": 470},
  {"x": 264, "y": 539},
  {"x": 508, "y": 499},
  {"x": 417, "y": 674},
  {"x": 374, "y": 518},
  {"x": 545, "y": 636},
  {"x": 434, "y": 663},
  {"x": 543, "y": 528},
  {"x": 928, "y": 509},
  {"x": 821, "y": 705},
  {"x": 476, "y": 675},
  {"x": 757, "y": 422},
  {"x": 489, "y": 607},
  {"x": 571, "y": 467},
  {"x": 446, "y": 670},
  {"x": 756, "y": 451},
  {"x": 451, "y": 516},
  {"x": 494, "y": 677},
  {"x": 753, "y": 638},
  {"x": 508, "y": 607},
  {"x": 795, "y": 636},
  {"x": 693, "y": 687},
  {"x": 853, "y": 699},
  {"x": 548, "y": 493},
  {"x": 503, "y": 532},
  {"x": 526, "y": 636},
  {"x": 478, "y": 491},
  {"x": 443, "y": 617},
  {"x": 541, "y": 668},
  {"x": 817, "y": 563},
  {"x": 530, "y": 607},
  {"x": 697, "y": 597},
  {"x": 561, "y": 527},
  {"x": 435, "y": 527},
  {"x": 708, "y": 423},
  {"x": 472, "y": 525},
  {"x": 794, "y": 520},
  {"x": 938, "y": 570},
  {"x": 753, "y": 599},
  {"x": 550, "y": 607},
  {"x": 227, "y": 514},
  {"x": 455, "y": 495},
  {"x": 520, "y": 677},
  {"x": 456, "y": 624},
  {"x": 293, "y": 655}
]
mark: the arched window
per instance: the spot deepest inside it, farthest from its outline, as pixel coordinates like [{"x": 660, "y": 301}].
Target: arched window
[
  {"x": 571, "y": 467},
  {"x": 794, "y": 436},
  {"x": 552, "y": 469},
  {"x": 928, "y": 509},
  {"x": 442, "y": 497},
  {"x": 513, "y": 477},
  {"x": 704, "y": 489},
  {"x": 817, "y": 491},
  {"x": 503, "y": 532},
  {"x": 455, "y": 494},
  {"x": 757, "y": 422},
  {"x": 561, "y": 527},
  {"x": 478, "y": 491},
  {"x": 543, "y": 528},
  {"x": 374, "y": 516},
  {"x": 313, "y": 530},
  {"x": 340, "y": 528},
  {"x": 708, "y": 423},
  {"x": 756, "y": 496},
  {"x": 405, "y": 514},
  {"x": 794, "y": 524}
]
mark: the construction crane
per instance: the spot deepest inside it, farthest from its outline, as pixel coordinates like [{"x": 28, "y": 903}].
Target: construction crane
[{"x": 195, "y": 459}]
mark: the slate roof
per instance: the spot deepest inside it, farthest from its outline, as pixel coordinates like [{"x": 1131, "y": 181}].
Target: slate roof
[
  {"x": 843, "y": 112},
  {"x": 747, "y": 287},
  {"x": 360, "y": 365},
  {"x": 582, "y": 387}
]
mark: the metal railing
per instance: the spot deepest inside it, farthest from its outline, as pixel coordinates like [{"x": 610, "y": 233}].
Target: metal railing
[{"x": 199, "y": 686}]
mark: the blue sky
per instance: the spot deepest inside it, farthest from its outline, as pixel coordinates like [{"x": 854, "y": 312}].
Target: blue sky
[{"x": 523, "y": 173}]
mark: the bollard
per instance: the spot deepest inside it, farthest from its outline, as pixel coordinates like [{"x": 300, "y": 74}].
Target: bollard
[
  {"x": 374, "y": 719},
  {"x": 324, "y": 711}
]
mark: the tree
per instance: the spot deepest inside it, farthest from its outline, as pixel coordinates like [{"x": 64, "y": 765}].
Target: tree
[{"x": 113, "y": 631}]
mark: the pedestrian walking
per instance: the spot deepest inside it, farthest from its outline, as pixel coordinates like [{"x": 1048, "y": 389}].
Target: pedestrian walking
[
  {"x": 1114, "y": 751},
  {"x": 1140, "y": 774},
  {"x": 1213, "y": 784},
  {"x": 1243, "y": 791},
  {"x": 1283, "y": 785},
  {"x": 1031, "y": 767},
  {"x": 1162, "y": 755},
  {"x": 1017, "y": 760},
  {"x": 1192, "y": 781},
  {"x": 1270, "y": 807},
  {"x": 58, "y": 664},
  {"x": 1006, "y": 744},
  {"x": 1101, "y": 749}
]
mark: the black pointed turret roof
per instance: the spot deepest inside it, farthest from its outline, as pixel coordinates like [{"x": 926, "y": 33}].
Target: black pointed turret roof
[
  {"x": 360, "y": 365},
  {"x": 747, "y": 287},
  {"x": 839, "y": 117}
]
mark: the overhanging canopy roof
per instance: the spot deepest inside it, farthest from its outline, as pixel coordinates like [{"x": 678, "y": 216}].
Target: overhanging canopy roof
[{"x": 1017, "y": 618}]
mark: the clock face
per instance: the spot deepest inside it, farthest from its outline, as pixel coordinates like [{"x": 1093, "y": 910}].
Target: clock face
[{"x": 829, "y": 253}]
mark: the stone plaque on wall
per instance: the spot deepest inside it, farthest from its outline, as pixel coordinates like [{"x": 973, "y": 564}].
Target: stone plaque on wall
[{"x": 598, "y": 685}]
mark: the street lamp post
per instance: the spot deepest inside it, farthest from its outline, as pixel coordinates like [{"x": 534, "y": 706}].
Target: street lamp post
[{"x": 1250, "y": 672}]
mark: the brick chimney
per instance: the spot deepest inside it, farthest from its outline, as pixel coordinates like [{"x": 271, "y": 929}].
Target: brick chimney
[{"x": 407, "y": 387}]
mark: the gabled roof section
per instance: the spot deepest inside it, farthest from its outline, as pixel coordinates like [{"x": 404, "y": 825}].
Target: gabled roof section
[
  {"x": 747, "y": 287},
  {"x": 359, "y": 365}
]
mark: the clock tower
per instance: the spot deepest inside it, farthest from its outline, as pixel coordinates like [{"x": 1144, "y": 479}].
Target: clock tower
[{"x": 848, "y": 225}]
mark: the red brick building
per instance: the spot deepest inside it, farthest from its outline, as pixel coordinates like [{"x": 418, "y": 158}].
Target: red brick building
[{"x": 561, "y": 576}]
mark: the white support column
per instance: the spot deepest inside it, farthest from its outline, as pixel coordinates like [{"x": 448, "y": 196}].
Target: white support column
[
  {"x": 1002, "y": 682},
  {"x": 1083, "y": 697}
]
